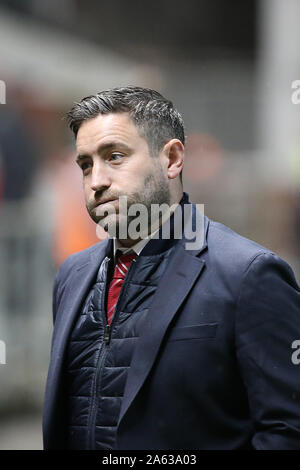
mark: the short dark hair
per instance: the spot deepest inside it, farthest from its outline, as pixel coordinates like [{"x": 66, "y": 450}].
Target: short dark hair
[{"x": 155, "y": 116}]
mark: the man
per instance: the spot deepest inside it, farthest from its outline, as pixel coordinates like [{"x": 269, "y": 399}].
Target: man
[{"x": 158, "y": 344}]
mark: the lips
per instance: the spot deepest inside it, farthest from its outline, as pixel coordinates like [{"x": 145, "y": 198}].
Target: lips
[
  {"x": 101, "y": 203},
  {"x": 101, "y": 210}
]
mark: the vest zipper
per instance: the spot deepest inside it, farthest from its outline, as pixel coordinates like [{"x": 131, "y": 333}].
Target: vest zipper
[
  {"x": 102, "y": 354},
  {"x": 93, "y": 411},
  {"x": 106, "y": 337}
]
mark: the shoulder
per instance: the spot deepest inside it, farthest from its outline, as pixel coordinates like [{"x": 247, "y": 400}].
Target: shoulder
[
  {"x": 236, "y": 256},
  {"x": 230, "y": 245},
  {"x": 80, "y": 258}
]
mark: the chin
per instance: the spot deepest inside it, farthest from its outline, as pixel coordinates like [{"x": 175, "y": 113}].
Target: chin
[{"x": 111, "y": 225}]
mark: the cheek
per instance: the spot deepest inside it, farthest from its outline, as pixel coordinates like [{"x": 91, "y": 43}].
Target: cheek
[{"x": 86, "y": 189}]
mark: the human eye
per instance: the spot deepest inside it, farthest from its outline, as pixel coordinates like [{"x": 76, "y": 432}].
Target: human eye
[
  {"x": 85, "y": 166},
  {"x": 116, "y": 156}
]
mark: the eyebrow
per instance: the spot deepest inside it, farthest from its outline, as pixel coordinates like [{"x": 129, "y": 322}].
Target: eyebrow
[{"x": 104, "y": 147}]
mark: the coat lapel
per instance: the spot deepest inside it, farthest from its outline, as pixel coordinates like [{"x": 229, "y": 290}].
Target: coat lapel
[
  {"x": 183, "y": 270},
  {"x": 76, "y": 290}
]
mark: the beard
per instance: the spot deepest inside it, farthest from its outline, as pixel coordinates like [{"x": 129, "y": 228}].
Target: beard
[{"x": 153, "y": 190}]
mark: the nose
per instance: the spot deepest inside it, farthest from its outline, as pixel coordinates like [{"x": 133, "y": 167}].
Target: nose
[{"x": 100, "y": 178}]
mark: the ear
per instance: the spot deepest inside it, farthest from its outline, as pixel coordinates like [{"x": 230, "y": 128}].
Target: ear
[{"x": 174, "y": 154}]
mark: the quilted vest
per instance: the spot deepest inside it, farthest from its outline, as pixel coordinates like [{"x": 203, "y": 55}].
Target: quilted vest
[{"x": 99, "y": 357}]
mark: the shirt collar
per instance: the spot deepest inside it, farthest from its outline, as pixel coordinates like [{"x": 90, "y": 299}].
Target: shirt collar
[{"x": 137, "y": 248}]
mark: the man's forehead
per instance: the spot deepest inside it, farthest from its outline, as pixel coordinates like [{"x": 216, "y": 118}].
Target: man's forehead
[
  {"x": 104, "y": 127},
  {"x": 107, "y": 123}
]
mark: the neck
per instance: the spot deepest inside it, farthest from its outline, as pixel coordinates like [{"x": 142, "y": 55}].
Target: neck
[{"x": 128, "y": 242}]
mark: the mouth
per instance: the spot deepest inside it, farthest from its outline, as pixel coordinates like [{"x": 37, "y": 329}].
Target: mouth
[
  {"x": 101, "y": 210},
  {"x": 102, "y": 203}
]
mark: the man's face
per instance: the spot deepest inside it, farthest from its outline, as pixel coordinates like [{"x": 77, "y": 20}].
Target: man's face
[{"x": 115, "y": 161}]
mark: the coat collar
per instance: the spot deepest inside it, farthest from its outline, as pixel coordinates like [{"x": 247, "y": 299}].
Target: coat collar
[{"x": 183, "y": 270}]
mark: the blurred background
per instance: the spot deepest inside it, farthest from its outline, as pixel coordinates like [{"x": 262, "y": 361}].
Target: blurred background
[{"x": 228, "y": 67}]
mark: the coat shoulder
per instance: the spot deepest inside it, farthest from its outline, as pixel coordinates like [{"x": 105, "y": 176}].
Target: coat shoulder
[
  {"x": 234, "y": 262},
  {"x": 75, "y": 260},
  {"x": 231, "y": 249}
]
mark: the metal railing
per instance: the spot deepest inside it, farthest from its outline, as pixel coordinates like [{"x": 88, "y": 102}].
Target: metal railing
[{"x": 26, "y": 277}]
